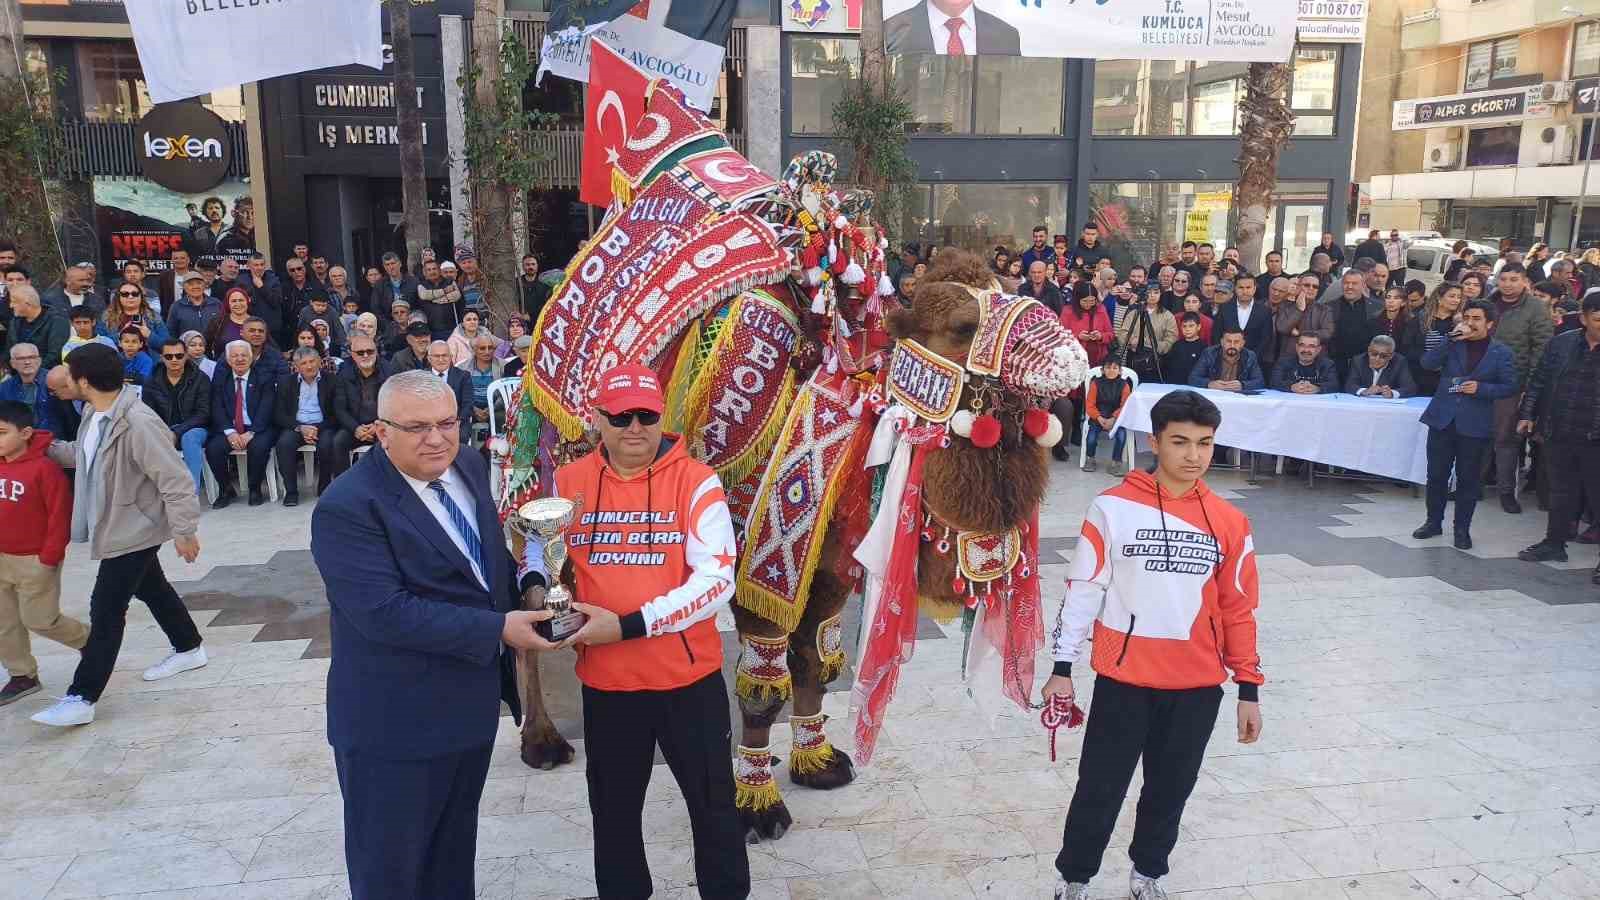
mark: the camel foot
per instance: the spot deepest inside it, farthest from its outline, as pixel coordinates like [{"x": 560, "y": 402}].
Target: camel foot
[
  {"x": 837, "y": 771},
  {"x": 546, "y": 750},
  {"x": 767, "y": 824}
]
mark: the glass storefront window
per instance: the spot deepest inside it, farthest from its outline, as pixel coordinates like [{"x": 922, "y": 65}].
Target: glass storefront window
[
  {"x": 1586, "y": 49},
  {"x": 1013, "y": 95},
  {"x": 1494, "y": 146},
  {"x": 1018, "y": 95},
  {"x": 939, "y": 89},
  {"x": 112, "y": 82},
  {"x": 1138, "y": 218},
  {"x": 983, "y": 215},
  {"x": 1175, "y": 98}
]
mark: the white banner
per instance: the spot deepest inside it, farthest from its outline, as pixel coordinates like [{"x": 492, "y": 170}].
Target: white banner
[
  {"x": 688, "y": 63},
  {"x": 1210, "y": 30},
  {"x": 192, "y": 47}
]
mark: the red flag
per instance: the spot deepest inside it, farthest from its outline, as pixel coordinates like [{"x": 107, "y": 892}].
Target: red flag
[{"x": 615, "y": 101}]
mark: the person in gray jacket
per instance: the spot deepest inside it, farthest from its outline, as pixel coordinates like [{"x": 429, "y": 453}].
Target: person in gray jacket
[{"x": 132, "y": 494}]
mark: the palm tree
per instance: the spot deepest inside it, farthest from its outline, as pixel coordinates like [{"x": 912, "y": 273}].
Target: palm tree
[
  {"x": 1264, "y": 130},
  {"x": 408, "y": 114}
]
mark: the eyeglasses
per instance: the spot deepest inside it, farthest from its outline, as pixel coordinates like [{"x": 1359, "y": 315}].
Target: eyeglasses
[
  {"x": 134, "y": 294},
  {"x": 445, "y": 426},
  {"x": 174, "y": 356},
  {"x": 625, "y": 419}
]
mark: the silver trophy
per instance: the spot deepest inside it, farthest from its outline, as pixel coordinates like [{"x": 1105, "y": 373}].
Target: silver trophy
[{"x": 546, "y": 520}]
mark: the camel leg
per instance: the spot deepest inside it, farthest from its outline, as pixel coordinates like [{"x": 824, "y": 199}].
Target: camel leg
[
  {"x": 543, "y": 747},
  {"x": 762, "y": 686},
  {"x": 816, "y": 656}
]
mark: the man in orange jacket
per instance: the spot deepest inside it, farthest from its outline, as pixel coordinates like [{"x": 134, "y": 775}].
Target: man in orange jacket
[
  {"x": 652, "y": 554},
  {"x": 1165, "y": 575}
]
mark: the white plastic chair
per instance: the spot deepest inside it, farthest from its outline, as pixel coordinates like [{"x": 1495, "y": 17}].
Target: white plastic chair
[
  {"x": 1083, "y": 448},
  {"x": 502, "y": 395}
]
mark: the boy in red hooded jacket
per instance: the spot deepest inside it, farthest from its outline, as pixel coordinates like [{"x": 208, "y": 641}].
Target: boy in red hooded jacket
[
  {"x": 1165, "y": 575},
  {"x": 36, "y": 506},
  {"x": 651, "y": 552}
]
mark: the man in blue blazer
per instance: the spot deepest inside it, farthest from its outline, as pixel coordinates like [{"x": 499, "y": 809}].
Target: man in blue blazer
[
  {"x": 423, "y": 594},
  {"x": 245, "y": 422},
  {"x": 1476, "y": 372},
  {"x": 1254, "y": 321}
]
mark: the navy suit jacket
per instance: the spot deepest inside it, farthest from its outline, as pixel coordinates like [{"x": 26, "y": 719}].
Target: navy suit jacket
[
  {"x": 418, "y": 670},
  {"x": 1260, "y": 335},
  {"x": 1472, "y": 414},
  {"x": 260, "y": 395}
]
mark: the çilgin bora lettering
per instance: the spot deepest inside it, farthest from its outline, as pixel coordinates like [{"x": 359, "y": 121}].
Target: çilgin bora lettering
[
  {"x": 184, "y": 147},
  {"x": 200, "y": 6}
]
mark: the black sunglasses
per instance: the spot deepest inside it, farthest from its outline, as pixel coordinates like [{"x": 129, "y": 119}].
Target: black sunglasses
[
  {"x": 129, "y": 294},
  {"x": 363, "y": 352},
  {"x": 173, "y": 355},
  {"x": 625, "y": 419}
]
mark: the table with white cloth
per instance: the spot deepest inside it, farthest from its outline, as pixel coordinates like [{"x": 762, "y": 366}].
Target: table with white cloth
[{"x": 1365, "y": 434}]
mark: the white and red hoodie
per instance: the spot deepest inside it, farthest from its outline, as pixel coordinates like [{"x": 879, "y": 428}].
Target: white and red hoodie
[{"x": 1168, "y": 585}]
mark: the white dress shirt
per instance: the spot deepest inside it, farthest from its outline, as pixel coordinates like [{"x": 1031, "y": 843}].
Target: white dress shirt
[
  {"x": 241, "y": 387},
  {"x": 463, "y": 498},
  {"x": 1245, "y": 309},
  {"x": 941, "y": 34}
]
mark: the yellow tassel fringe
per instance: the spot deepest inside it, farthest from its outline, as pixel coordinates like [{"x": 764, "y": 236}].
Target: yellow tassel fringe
[
  {"x": 754, "y": 798},
  {"x": 810, "y": 761},
  {"x": 748, "y": 687}
]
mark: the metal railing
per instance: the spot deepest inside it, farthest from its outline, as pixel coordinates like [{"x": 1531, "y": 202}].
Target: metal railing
[
  {"x": 561, "y": 147},
  {"x": 111, "y": 150}
]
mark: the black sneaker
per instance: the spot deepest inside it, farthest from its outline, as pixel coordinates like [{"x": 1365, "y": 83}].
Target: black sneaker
[
  {"x": 1544, "y": 551},
  {"x": 224, "y": 499},
  {"x": 1463, "y": 539},
  {"x": 257, "y": 498},
  {"x": 1427, "y": 530},
  {"x": 18, "y": 687},
  {"x": 1510, "y": 504},
  {"x": 291, "y": 499}
]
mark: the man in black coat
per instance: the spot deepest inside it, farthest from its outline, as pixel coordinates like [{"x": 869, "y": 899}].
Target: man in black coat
[
  {"x": 1254, "y": 319},
  {"x": 1040, "y": 288},
  {"x": 912, "y": 31},
  {"x": 1380, "y": 372},
  {"x": 305, "y": 416},
  {"x": 394, "y": 285},
  {"x": 534, "y": 292},
  {"x": 181, "y": 395},
  {"x": 439, "y": 364},
  {"x": 355, "y": 400}
]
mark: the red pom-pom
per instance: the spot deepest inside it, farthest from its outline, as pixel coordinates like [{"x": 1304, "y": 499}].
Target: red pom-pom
[
  {"x": 1035, "y": 422},
  {"x": 985, "y": 431},
  {"x": 811, "y": 256}
]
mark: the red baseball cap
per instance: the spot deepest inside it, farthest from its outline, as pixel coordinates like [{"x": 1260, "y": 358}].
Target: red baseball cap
[{"x": 629, "y": 387}]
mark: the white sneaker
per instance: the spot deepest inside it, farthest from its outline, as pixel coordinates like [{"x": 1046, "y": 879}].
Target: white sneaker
[
  {"x": 1073, "y": 891},
  {"x": 69, "y": 710},
  {"x": 1143, "y": 887},
  {"x": 175, "y": 664}
]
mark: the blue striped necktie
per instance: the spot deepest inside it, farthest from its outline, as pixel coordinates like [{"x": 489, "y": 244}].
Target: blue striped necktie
[{"x": 464, "y": 526}]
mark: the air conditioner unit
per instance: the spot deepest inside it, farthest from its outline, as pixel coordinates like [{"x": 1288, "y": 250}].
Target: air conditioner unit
[
  {"x": 1444, "y": 152},
  {"x": 1555, "y": 91},
  {"x": 1557, "y": 145}
]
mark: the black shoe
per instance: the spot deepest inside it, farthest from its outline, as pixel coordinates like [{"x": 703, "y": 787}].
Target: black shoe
[
  {"x": 256, "y": 498},
  {"x": 291, "y": 499},
  {"x": 1510, "y": 504},
  {"x": 1463, "y": 539},
  {"x": 1427, "y": 530},
  {"x": 1059, "y": 453},
  {"x": 224, "y": 499},
  {"x": 1544, "y": 551},
  {"x": 18, "y": 687}
]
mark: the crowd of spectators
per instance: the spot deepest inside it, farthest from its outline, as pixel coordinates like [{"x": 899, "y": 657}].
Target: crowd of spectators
[{"x": 246, "y": 365}]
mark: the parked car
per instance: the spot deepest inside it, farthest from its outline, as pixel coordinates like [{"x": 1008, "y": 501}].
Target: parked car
[{"x": 1428, "y": 258}]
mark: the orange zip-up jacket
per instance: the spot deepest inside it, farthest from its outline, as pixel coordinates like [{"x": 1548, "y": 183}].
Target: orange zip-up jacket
[
  {"x": 657, "y": 548},
  {"x": 1169, "y": 586}
]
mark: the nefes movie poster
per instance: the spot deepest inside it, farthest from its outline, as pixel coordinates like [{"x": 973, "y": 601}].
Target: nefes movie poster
[{"x": 137, "y": 219}]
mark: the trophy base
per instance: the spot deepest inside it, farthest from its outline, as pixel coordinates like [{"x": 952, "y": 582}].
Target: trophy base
[{"x": 561, "y": 626}]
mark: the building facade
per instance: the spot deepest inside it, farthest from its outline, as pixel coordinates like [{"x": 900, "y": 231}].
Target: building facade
[
  {"x": 1477, "y": 118},
  {"x": 1145, "y": 149}
]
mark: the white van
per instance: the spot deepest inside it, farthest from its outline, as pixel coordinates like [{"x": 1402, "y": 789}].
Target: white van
[{"x": 1427, "y": 259}]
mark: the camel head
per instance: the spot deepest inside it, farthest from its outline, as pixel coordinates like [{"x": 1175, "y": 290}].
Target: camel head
[{"x": 1016, "y": 354}]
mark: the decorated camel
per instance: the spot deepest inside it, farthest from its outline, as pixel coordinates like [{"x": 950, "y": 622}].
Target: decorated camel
[{"x": 764, "y": 308}]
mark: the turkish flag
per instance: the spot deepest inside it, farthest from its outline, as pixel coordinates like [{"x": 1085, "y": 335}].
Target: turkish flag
[{"x": 614, "y": 102}]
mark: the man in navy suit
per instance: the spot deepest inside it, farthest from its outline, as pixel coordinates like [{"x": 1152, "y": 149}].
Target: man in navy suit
[
  {"x": 242, "y": 418},
  {"x": 439, "y": 365},
  {"x": 423, "y": 594},
  {"x": 950, "y": 28},
  {"x": 1476, "y": 372}
]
